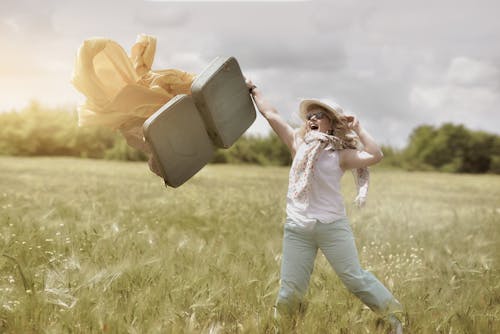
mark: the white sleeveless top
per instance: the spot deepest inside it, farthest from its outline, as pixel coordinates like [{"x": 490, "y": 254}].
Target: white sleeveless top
[{"x": 325, "y": 199}]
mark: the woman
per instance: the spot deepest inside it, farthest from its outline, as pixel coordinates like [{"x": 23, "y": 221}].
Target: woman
[{"x": 322, "y": 149}]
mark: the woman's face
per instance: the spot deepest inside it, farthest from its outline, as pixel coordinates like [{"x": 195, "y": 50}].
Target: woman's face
[{"x": 317, "y": 120}]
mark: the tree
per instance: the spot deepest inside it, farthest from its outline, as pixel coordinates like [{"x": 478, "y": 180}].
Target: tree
[{"x": 451, "y": 148}]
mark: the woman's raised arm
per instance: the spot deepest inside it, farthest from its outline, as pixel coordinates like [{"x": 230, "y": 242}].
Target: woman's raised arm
[
  {"x": 371, "y": 154},
  {"x": 284, "y": 131}
]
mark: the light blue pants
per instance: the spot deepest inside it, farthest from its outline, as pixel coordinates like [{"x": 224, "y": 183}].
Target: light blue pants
[{"x": 336, "y": 241}]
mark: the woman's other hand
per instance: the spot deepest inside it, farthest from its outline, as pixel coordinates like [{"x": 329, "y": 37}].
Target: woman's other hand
[{"x": 353, "y": 124}]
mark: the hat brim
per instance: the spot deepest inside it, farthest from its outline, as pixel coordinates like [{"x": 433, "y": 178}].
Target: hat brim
[{"x": 306, "y": 103}]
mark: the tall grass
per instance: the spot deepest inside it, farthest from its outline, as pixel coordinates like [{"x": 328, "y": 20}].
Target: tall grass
[{"x": 103, "y": 247}]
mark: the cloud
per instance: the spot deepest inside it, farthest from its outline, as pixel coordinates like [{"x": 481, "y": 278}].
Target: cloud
[
  {"x": 154, "y": 15},
  {"x": 264, "y": 37},
  {"x": 471, "y": 72},
  {"x": 395, "y": 65},
  {"x": 294, "y": 54},
  {"x": 466, "y": 92},
  {"x": 85, "y": 19}
]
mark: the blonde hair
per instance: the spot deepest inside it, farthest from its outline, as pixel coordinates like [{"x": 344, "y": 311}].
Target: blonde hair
[{"x": 339, "y": 122}]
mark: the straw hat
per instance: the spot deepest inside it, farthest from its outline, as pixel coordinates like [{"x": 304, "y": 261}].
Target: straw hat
[{"x": 334, "y": 108}]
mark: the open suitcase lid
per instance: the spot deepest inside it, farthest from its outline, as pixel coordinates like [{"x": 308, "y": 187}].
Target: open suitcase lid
[
  {"x": 183, "y": 132},
  {"x": 178, "y": 139},
  {"x": 222, "y": 98}
]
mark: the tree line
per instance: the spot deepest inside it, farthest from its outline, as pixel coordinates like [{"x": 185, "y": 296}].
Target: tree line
[
  {"x": 41, "y": 131},
  {"x": 448, "y": 148}
]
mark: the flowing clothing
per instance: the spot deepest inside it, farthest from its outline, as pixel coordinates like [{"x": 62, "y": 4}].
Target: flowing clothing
[{"x": 122, "y": 91}]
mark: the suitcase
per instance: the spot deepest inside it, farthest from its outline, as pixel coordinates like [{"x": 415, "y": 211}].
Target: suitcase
[
  {"x": 184, "y": 133},
  {"x": 222, "y": 98},
  {"x": 178, "y": 139}
]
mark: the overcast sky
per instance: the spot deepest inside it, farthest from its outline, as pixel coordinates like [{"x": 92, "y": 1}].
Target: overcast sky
[{"x": 394, "y": 64}]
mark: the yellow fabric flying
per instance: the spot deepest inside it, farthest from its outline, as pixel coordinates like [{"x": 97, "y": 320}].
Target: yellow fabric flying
[{"x": 122, "y": 91}]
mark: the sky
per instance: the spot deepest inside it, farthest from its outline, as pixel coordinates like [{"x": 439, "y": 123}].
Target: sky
[{"x": 394, "y": 64}]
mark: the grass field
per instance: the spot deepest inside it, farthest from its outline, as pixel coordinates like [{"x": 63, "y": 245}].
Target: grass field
[{"x": 103, "y": 247}]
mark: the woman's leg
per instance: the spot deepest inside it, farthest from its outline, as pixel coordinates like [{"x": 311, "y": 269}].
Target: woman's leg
[
  {"x": 336, "y": 241},
  {"x": 297, "y": 262}
]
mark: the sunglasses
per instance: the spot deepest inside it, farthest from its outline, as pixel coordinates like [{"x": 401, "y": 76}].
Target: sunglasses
[{"x": 318, "y": 115}]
